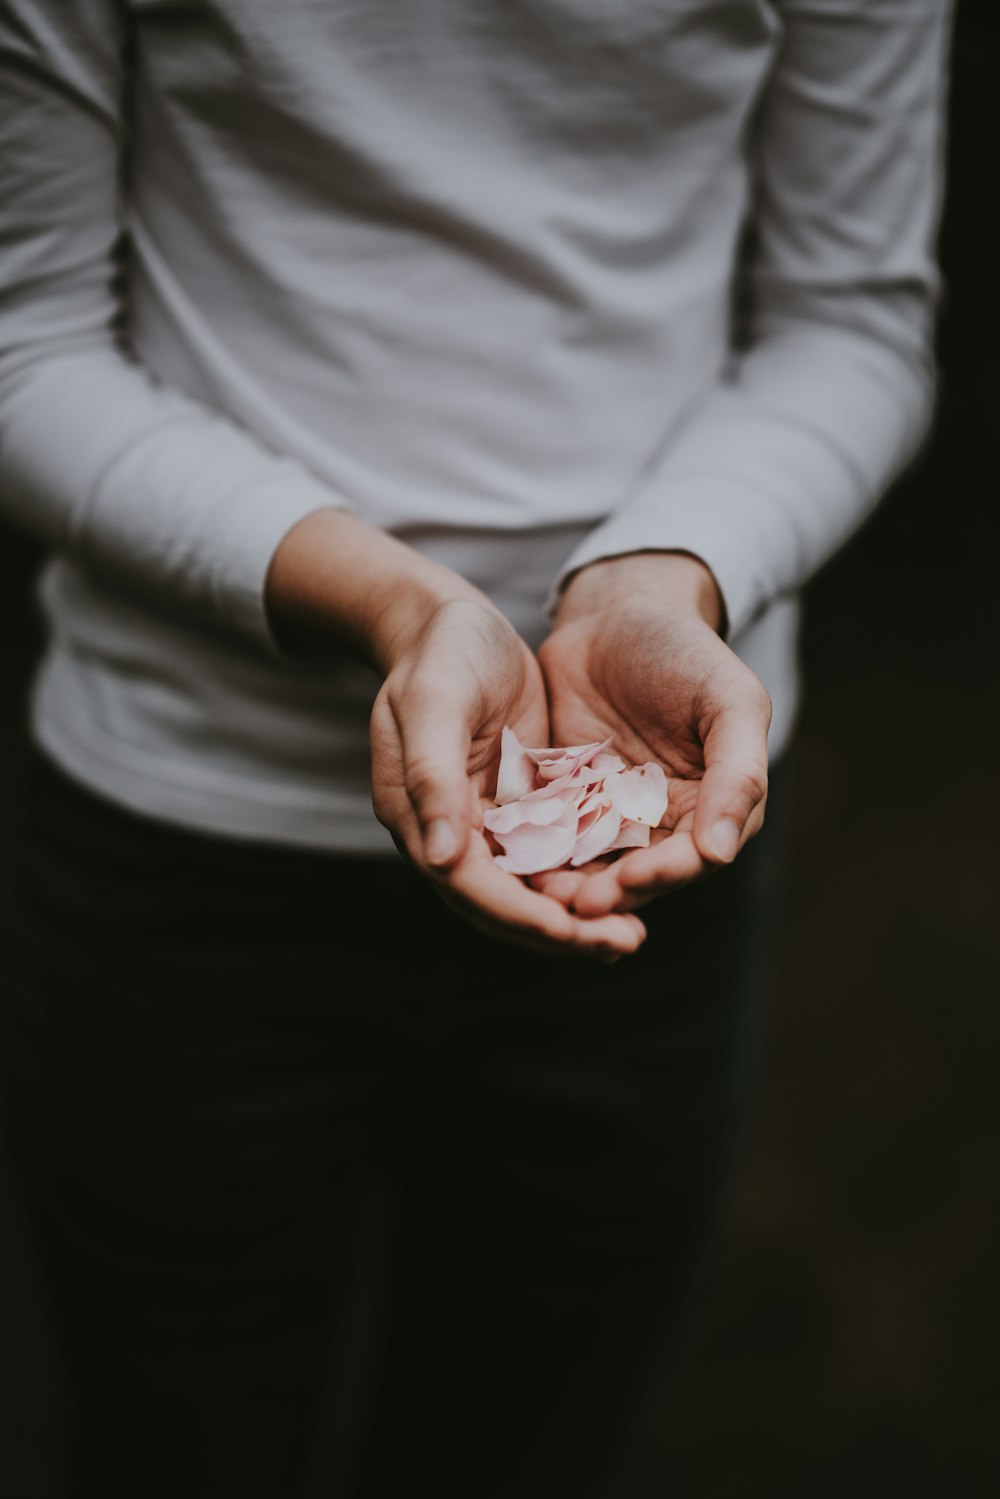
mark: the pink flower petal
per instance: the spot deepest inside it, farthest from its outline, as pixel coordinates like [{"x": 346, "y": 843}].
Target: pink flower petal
[
  {"x": 515, "y": 814},
  {"x": 551, "y": 770},
  {"x": 607, "y": 765},
  {"x": 598, "y": 838},
  {"x": 565, "y": 784},
  {"x": 585, "y": 753},
  {"x": 592, "y": 806},
  {"x": 570, "y": 804},
  {"x": 566, "y": 762},
  {"x": 516, "y": 776},
  {"x": 631, "y": 835},
  {"x": 640, "y": 794},
  {"x": 530, "y": 849},
  {"x": 554, "y": 751}
]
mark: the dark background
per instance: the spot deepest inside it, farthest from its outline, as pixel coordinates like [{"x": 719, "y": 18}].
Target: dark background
[{"x": 849, "y": 1335}]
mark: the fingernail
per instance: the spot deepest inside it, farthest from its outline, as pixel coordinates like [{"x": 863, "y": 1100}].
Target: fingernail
[
  {"x": 723, "y": 840},
  {"x": 439, "y": 844}
]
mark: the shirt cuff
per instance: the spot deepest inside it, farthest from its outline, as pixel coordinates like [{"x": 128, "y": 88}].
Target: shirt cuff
[
  {"x": 268, "y": 510},
  {"x": 706, "y": 518}
]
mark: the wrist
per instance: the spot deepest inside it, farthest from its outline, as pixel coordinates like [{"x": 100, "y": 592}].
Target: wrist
[
  {"x": 671, "y": 583},
  {"x": 335, "y": 581}
]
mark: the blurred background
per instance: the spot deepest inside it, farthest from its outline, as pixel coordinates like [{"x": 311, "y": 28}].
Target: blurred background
[{"x": 849, "y": 1335}]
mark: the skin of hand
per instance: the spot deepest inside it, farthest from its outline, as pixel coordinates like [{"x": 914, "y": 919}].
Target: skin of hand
[
  {"x": 635, "y": 653},
  {"x": 454, "y": 672}
]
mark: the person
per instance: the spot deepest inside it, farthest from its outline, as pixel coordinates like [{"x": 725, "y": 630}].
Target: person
[{"x": 378, "y": 377}]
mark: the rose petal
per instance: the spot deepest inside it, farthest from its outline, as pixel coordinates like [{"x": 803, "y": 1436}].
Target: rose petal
[
  {"x": 550, "y": 770},
  {"x": 607, "y": 765},
  {"x": 640, "y": 794},
  {"x": 530, "y": 849},
  {"x": 593, "y": 805},
  {"x": 516, "y": 776},
  {"x": 631, "y": 835},
  {"x": 572, "y": 783},
  {"x": 515, "y": 814},
  {"x": 566, "y": 762},
  {"x": 589, "y": 752},
  {"x": 554, "y": 751},
  {"x": 570, "y": 804},
  {"x": 598, "y": 838}
]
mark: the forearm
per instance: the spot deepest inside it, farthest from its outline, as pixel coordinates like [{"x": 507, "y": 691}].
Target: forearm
[
  {"x": 159, "y": 493},
  {"x": 829, "y": 388},
  {"x": 334, "y": 582}
]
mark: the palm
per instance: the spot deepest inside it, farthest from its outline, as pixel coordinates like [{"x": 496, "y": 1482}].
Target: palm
[
  {"x": 641, "y": 689},
  {"x": 436, "y": 728},
  {"x": 471, "y": 656}
]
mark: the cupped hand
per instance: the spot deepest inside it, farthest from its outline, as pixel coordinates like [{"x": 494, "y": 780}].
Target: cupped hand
[
  {"x": 635, "y": 655},
  {"x": 454, "y": 672},
  {"x": 454, "y": 681}
]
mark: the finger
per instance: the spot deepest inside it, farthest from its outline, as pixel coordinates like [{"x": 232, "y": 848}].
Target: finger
[
  {"x": 561, "y": 884},
  {"x": 525, "y": 915},
  {"x": 502, "y": 907},
  {"x": 476, "y": 807},
  {"x": 734, "y": 787},
  {"x": 434, "y": 740},
  {"x": 616, "y": 932},
  {"x": 566, "y": 886},
  {"x": 603, "y": 952},
  {"x": 640, "y": 876}
]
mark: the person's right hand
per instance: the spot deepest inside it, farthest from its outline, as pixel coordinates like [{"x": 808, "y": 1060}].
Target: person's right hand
[
  {"x": 455, "y": 681},
  {"x": 455, "y": 671}
]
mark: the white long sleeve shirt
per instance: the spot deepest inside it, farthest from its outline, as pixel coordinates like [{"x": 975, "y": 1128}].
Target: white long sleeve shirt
[{"x": 467, "y": 268}]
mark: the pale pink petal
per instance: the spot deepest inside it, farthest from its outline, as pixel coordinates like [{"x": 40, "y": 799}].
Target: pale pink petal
[
  {"x": 598, "y": 838},
  {"x": 631, "y": 835},
  {"x": 570, "y": 804},
  {"x": 554, "y": 751},
  {"x": 531, "y": 849},
  {"x": 566, "y": 762},
  {"x": 606, "y": 765},
  {"x": 640, "y": 794},
  {"x": 562, "y": 765},
  {"x": 585, "y": 754},
  {"x": 514, "y": 814},
  {"x": 572, "y": 784},
  {"x": 592, "y": 805},
  {"x": 516, "y": 776}
]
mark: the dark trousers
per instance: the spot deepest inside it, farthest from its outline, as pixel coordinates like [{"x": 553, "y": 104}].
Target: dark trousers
[{"x": 329, "y": 1195}]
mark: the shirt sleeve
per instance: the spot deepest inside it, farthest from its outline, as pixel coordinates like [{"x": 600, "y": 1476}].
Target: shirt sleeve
[
  {"x": 96, "y": 457},
  {"x": 830, "y": 391}
]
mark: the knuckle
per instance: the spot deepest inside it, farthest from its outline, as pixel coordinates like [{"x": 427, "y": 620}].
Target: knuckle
[
  {"x": 392, "y": 816},
  {"x": 423, "y": 779},
  {"x": 757, "y": 784},
  {"x": 753, "y": 783},
  {"x": 753, "y": 696},
  {"x": 764, "y": 705},
  {"x": 752, "y": 829},
  {"x": 425, "y": 694},
  {"x": 756, "y": 820}
]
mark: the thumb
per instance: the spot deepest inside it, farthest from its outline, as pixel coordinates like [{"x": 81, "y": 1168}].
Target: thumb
[
  {"x": 435, "y": 742},
  {"x": 733, "y": 791}
]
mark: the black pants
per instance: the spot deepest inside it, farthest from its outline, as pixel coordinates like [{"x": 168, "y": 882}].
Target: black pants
[{"x": 332, "y": 1196}]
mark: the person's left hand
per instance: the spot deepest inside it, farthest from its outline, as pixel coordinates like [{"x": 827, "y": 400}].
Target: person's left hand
[{"x": 635, "y": 655}]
